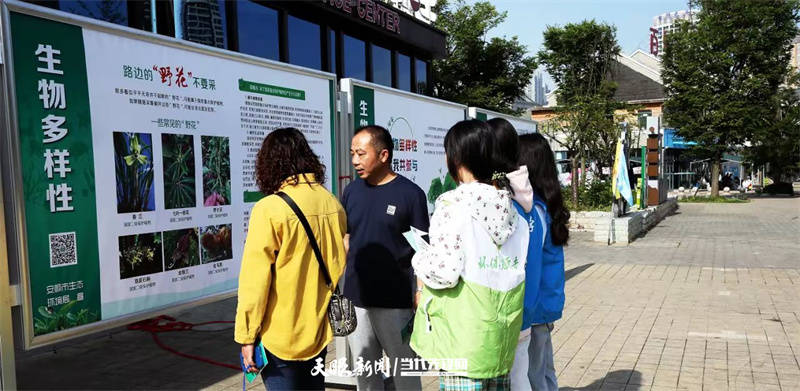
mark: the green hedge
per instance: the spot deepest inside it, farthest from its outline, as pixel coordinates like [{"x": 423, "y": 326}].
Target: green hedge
[{"x": 595, "y": 196}]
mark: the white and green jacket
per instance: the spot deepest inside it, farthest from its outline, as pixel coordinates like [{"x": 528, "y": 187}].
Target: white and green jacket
[{"x": 474, "y": 276}]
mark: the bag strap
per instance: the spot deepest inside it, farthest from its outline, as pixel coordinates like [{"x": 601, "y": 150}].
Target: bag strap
[{"x": 311, "y": 238}]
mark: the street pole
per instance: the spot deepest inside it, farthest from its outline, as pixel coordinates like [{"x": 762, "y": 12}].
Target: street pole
[
  {"x": 617, "y": 206},
  {"x": 643, "y": 175},
  {"x": 625, "y": 145}
]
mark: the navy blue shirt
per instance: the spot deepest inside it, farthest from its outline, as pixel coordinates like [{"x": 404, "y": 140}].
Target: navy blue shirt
[{"x": 379, "y": 272}]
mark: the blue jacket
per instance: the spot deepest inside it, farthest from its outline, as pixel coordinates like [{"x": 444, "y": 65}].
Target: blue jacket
[
  {"x": 533, "y": 264},
  {"x": 550, "y": 302}
]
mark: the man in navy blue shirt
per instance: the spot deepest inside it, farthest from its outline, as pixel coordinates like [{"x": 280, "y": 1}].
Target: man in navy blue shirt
[{"x": 380, "y": 206}]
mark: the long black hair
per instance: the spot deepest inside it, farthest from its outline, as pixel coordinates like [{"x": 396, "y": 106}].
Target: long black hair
[
  {"x": 536, "y": 154},
  {"x": 470, "y": 144},
  {"x": 506, "y": 151}
]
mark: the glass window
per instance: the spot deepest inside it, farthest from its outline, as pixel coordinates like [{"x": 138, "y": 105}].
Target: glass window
[
  {"x": 381, "y": 66},
  {"x": 332, "y": 51},
  {"x": 643, "y": 114},
  {"x": 258, "y": 30},
  {"x": 422, "y": 76},
  {"x": 112, "y": 11},
  {"x": 304, "y": 45},
  {"x": 355, "y": 58},
  {"x": 403, "y": 72},
  {"x": 201, "y": 22}
]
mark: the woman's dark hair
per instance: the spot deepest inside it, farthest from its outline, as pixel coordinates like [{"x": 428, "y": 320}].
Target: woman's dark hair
[
  {"x": 506, "y": 151},
  {"x": 285, "y": 154},
  {"x": 536, "y": 154},
  {"x": 469, "y": 143}
]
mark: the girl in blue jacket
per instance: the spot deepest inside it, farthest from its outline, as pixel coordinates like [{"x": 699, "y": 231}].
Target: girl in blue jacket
[
  {"x": 535, "y": 153},
  {"x": 507, "y": 157}
]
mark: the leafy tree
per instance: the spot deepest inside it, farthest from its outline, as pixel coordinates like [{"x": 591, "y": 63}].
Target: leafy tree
[
  {"x": 108, "y": 10},
  {"x": 490, "y": 74},
  {"x": 580, "y": 57},
  {"x": 778, "y": 146},
  {"x": 722, "y": 72}
]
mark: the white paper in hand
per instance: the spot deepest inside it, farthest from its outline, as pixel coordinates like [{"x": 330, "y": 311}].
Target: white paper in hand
[{"x": 414, "y": 238}]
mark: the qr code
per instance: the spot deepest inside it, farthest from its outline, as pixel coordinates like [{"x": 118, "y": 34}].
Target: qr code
[{"x": 62, "y": 249}]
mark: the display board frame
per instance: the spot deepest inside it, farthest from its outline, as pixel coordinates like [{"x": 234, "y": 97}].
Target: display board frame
[
  {"x": 349, "y": 85},
  {"x": 12, "y": 161},
  {"x": 484, "y": 115}
]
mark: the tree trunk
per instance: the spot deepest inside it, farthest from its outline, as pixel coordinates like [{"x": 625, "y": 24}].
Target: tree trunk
[
  {"x": 583, "y": 171},
  {"x": 715, "y": 162},
  {"x": 574, "y": 182}
]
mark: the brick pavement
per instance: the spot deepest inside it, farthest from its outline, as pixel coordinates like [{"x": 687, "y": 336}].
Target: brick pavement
[
  {"x": 642, "y": 327},
  {"x": 762, "y": 233},
  {"x": 708, "y": 300}
]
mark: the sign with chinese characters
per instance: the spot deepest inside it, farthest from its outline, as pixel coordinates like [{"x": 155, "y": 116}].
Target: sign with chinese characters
[
  {"x": 138, "y": 164},
  {"x": 522, "y": 125},
  {"x": 418, "y": 125}
]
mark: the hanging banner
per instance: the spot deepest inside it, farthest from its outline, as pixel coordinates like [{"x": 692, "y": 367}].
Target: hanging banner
[
  {"x": 138, "y": 157},
  {"x": 418, "y": 125},
  {"x": 522, "y": 125}
]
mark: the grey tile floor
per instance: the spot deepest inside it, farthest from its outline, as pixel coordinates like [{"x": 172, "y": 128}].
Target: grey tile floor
[{"x": 707, "y": 300}]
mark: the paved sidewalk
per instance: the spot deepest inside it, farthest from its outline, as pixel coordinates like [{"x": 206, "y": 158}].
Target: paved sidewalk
[
  {"x": 667, "y": 327},
  {"x": 708, "y": 300},
  {"x": 762, "y": 233}
]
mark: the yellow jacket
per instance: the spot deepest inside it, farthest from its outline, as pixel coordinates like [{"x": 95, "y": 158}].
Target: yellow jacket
[{"x": 282, "y": 293}]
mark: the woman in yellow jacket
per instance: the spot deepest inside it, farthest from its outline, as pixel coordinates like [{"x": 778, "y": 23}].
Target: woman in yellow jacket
[{"x": 283, "y": 298}]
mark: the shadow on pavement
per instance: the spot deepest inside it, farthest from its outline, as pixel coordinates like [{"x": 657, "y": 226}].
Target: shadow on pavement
[
  {"x": 772, "y": 196},
  {"x": 576, "y": 270},
  {"x": 627, "y": 380},
  {"x": 131, "y": 360}
]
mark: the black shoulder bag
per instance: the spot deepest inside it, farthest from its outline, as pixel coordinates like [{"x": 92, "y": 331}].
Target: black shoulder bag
[{"x": 341, "y": 313}]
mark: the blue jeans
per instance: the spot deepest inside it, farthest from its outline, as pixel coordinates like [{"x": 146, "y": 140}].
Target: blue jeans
[
  {"x": 541, "y": 371},
  {"x": 281, "y": 375}
]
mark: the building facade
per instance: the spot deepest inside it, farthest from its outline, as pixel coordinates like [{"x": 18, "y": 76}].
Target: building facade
[
  {"x": 638, "y": 78},
  {"x": 540, "y": 90},
  {"x": 663, "y": 25},
  {"x": 795, "y": 54},
  {"x": 390, "y": 43}
]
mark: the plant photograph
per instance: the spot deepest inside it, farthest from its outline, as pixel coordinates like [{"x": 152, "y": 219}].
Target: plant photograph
[
  {"x": 439, "y": 187},
  {"x": 181, "y": 248},
  {"x": 48, "y": 320},
  {"x": 216, "y": 243},
  {"x": 133, "y": 164},
  {"x": 139, "y": 255},
  {"x": 179, "y": 182},
  {"x": 216, "y": 171}
]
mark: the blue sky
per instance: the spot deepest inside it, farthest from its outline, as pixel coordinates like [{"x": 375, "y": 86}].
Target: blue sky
[{"x": 527, "y": 19}]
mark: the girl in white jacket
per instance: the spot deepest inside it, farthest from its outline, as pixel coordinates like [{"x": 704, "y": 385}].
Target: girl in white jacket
[{"x": 470, "y": 311}]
